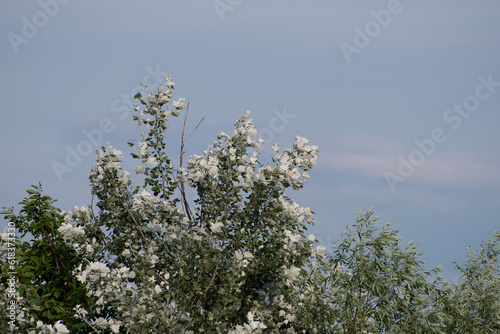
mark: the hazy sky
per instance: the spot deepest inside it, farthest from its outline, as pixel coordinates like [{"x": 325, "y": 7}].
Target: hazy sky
[{"x": 402, "y": 98}]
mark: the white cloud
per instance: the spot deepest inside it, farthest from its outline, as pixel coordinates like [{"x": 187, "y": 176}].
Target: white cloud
[
  {"x": 361, "y": 153},
  {"x": 366, "y": 143},
  {"x": 458, "y": 169},
  {"x": 374, "y": 156},
  {"x": 418, "y": 197},
  {"x": 372, "y": 165}
]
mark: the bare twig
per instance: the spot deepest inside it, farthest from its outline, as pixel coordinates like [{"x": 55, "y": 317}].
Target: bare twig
[
  {"x": 52, "y": 247},
  {"x": 195, "y": 128},
  {"x": 184, "y": 129},
  {"x": 185, "y": 203},
  {"x": 214, "y": 273}
]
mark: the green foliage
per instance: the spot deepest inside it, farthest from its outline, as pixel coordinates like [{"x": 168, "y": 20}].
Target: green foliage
[
  {"x": 45, "y": 262},
  {"x": 473, "y": 305},
  {"x": 375, "y": 285}
]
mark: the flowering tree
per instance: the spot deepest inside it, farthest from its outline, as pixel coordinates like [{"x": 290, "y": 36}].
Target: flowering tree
[
  {"x": 154, "y": 261},
  {"x": 144, "y": 257}
]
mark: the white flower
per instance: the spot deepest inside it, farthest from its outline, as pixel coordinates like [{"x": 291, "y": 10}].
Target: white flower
[
  {"x": 5, "y": 235},
  {"x": 90, "y": 249},
  {"x": 78, "y": 230},
  {"x": 179, "y": 104},
  {"x": 170, "y": 83},
  {"x": 165, "y": 98},
  {"x": 295, "y": 173},
  {"x": 238, "y": 255},
  {"x": 283, "y": 168},
  {"x": 197, "y": 237},
  {"x": 152, "y": 161},
  {"x": 98, "y": 266},
  {"x": 126, "y": 178},
  {"x": 64, "y": 229},
  {"x": 146, "y": 195},
  {"x": 85, "y": 209},
  {"x": 252, "y": 131},
  {"x": 312, "y": 237},
  {"x": 254, "y": 324},
  {"x": 216, "y": 227},
  {"x": 101, "y": 322},
  {"x": 126, "y": 253},
  {"x": 60, "y": 328},
  {"x": 124, "y": 270},
  {"x": 115, "y": 328},
  {"x": 68, "y": 231},
  {"x": 301, "y": 142},
  {"x": 139, "y": 169},
  {"x": 142, "y": 148},
  {"x": 320, "y": 252},
  {"x": 308, "y": 212},
  {"x": 292, "y": 238},
  {"x": 243, "y": 257},
  {"x": 292, "y": 272},
  {"x": 248, "y": 255}
]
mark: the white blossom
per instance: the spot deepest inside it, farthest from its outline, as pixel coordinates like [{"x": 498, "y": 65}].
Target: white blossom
[
  {"x": 126, "y": 253},
  {"x": 152, "y": 161},
  {"x": 319, "y": 252},
  {"x": 139, "y": 169},
  {"x": 115, "y": 328},
  {"x": 216, "y": 227},
  {"x": 179, "y": 104},
  {"x": 101, "y": 322},
  {"x": 60, "y": 328},
  {"x": 292, "y": 272},
  {"x": 169, "y": 83}
]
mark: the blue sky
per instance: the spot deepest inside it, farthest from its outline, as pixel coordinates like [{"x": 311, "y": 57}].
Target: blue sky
[{"x": 389, "y": 90}]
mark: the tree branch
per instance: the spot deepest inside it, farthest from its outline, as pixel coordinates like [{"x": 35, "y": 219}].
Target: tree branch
[
  {"x": 185, "y": 203},
  {"x": 131, "y": 216}
]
